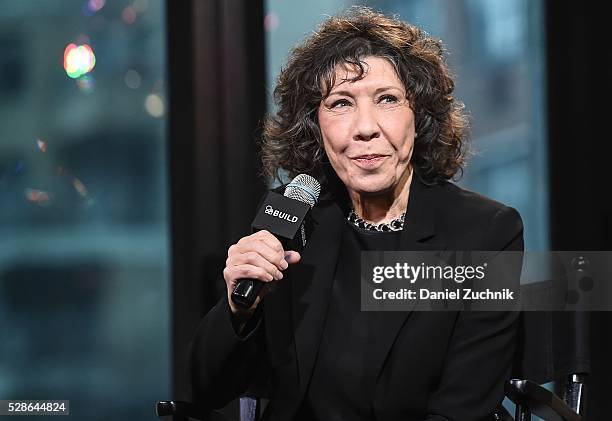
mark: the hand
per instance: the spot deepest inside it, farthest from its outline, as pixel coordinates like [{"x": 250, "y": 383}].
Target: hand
[{"x": 257, "y": 256}]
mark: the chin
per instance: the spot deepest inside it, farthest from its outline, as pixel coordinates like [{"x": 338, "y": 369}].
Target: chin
[{"x": 371, "y": 189}]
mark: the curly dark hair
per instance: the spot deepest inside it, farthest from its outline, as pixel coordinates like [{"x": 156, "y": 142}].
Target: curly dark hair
[{"x": 292, "y": 139}]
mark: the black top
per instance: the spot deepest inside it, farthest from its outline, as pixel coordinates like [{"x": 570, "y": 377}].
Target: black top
[
  {"x": 341, "y": 387},
  {"x": 428, "y": 366}
]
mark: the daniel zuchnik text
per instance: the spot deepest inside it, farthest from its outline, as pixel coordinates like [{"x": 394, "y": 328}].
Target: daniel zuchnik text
[{"x": 456, "y": 294}]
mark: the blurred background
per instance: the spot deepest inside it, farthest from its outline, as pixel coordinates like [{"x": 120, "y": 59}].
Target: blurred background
[
  {"x": 84, "y": 244},
  {"x": 128, "y": 164}
]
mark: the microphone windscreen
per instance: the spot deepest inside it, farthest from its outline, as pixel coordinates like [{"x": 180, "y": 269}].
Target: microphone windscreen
[{"x": 304, "y": 188}]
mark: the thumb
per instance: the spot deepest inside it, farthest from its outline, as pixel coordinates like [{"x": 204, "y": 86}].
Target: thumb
[{"x": 292, "y": 257}]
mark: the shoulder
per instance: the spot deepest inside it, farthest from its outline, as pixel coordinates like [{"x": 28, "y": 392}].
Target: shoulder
[
  {"x": 489, "y": 223},
  {"x": 467, "y": 202}
]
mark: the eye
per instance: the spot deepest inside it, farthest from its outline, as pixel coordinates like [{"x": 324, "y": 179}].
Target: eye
[
  {"x": 340, "y": 103},
  {"x": 388, "y": 99}
]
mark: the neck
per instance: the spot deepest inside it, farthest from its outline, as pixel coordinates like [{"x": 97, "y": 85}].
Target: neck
[{"x": 386, "y": 206}]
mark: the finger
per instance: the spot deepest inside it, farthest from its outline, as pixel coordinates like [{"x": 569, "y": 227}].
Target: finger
[
  {"x": 260, "y": 247},
  {"x": 274, "y": 252},
  {"x": 272, "y": 242},
  {"x": 256, "y": 259},
  {"x": 233, "y": 273},
  {"x": 292, "y": 257}
]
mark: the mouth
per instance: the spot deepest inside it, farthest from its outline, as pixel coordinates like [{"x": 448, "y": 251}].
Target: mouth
[{"x": 369, "y": 160}]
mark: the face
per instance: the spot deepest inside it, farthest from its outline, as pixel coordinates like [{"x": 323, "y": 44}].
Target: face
[{"x": 368, "y": 129}]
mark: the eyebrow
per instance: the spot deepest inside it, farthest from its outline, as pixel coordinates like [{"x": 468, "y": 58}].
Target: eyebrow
[{"x": 378, "y": 90}]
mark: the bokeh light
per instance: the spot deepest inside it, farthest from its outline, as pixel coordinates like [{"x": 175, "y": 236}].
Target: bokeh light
[
  {"x": 38, "y": 197},
  {"x": 154, "y": 104},
  {"x": 42, "y": 145},
  {"x": 92, "y": 6},
  {"x": 80, "y": 187},
  {"x": 78, "y": 60},
  {"x": 95, "y": 5},
  {"x": 132, "y": 79},
  {"x": 271, "y": 22},
  {"x": 129, "y": 15},
  {"x": 45, "y": 184}
]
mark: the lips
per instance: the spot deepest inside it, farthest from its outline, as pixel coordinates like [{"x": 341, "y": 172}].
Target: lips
[
  {"x": 369, "y": 161},
  {"x": 370, "y": 156}
]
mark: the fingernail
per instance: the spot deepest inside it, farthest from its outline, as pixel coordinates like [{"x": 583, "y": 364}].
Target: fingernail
[
  {"x": 284, "y": 265},
  {"x": 279, "y": 275}
]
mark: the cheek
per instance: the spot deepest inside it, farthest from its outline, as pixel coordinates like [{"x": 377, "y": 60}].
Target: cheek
[
  {"x": 337, "y": 160},
  {"x": 334, "y": 156},
  {"x": 401, "y": 135},
  {"x": 333, "y": 135}
]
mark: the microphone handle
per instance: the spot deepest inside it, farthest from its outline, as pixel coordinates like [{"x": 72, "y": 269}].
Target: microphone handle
[{"x": 246, "y": 291}]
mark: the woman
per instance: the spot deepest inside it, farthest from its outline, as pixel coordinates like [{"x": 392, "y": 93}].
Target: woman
[{"x": 365, "y": 105}]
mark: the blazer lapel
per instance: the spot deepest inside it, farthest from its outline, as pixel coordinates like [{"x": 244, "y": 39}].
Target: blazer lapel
[
  {"x": 418, "y": 235},
  {"x": 311, "y": 282}
]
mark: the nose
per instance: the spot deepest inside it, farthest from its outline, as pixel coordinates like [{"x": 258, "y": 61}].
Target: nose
[{"x": 366, "y": 124}]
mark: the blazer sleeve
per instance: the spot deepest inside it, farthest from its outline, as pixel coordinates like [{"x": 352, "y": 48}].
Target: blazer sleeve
[
  {"x": 222, "y": 362},
  {"x": 482, "y": 346}
]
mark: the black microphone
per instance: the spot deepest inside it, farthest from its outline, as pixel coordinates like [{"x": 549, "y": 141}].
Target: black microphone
[{"x": 283, "y": 216}]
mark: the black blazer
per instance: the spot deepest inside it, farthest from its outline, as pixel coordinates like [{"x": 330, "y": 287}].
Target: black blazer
[{"x": 428, "y": 365}]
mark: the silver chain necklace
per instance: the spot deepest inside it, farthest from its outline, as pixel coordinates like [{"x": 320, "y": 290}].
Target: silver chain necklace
[{"x": 396, "y": 225}]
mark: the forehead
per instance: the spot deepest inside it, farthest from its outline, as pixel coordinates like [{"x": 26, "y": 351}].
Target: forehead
[{"x": 376, "y": 71}]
